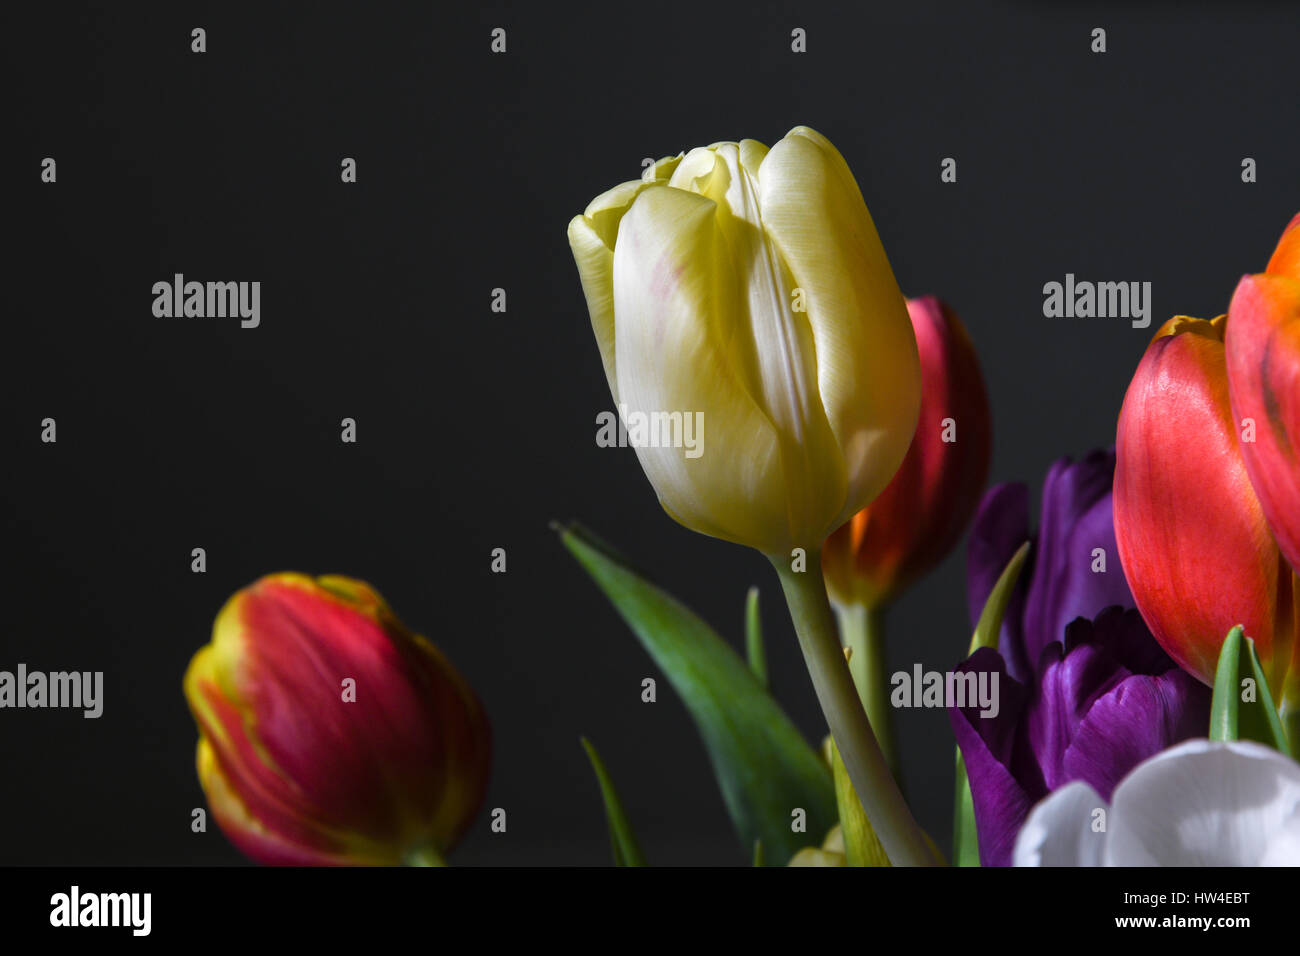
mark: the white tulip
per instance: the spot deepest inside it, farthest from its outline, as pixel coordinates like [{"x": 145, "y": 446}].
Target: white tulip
[{"x": 1202, "y": 803}]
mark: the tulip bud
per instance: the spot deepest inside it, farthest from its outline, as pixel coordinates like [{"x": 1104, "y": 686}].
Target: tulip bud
[
  {"x": 1196, "y": 550},
  {"x": 830, "y": 853},
  {"x": 331, "y": 734},
  {"x": 920, "y": 515},
  {"x": 1263, "y": 349},
  {"x": 745, "y": 289}
]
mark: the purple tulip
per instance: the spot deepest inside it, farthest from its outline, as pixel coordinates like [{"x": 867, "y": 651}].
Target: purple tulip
[
  {"x": 1085, "y": 692},
  {"x": 1058, "y": 583}
]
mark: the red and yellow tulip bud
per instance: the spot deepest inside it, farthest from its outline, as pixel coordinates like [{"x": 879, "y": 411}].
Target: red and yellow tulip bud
[
  {"x": 329, "y": 732},
  {"x": 921, "y": 514},
  {"x": 1263, "y": 350},
  {"x": 1198, "y": 555}
]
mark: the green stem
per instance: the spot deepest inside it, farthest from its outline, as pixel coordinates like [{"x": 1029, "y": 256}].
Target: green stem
[
  {"x": 1290, "y": 717},
  {"x": 427, "y": 855},
  {"x": 862, "y": 630},
  {"x": 805, "y": 592}
]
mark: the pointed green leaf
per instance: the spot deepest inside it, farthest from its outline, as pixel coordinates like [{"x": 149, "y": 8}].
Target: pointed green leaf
[
  {"x": 1242, "y": 707},
  {"x": 754, "y": 638},
  {"x": 861, "y": 845},
  {"x": 1223, "y": 705},
  {"x": 989, "y": 626},
  {"x": 965, "y": 840},
  {"x": 627, "y": 851},
  {"x": 764, "y": 767}
]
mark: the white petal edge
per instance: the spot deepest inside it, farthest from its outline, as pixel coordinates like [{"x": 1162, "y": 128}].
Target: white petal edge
[{"x": 1059, "y": 830}]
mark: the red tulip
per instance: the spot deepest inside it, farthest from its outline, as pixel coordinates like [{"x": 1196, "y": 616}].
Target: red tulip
[
  {"x": 331, "y": 734},
  {"x": 1263, "y": 348},
  {"x": 1196, "y": 550},
  {"x": 921, "y": 514}
]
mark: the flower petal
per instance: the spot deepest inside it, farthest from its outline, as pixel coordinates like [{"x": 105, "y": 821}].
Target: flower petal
[
  {"x": 1207, "y": 803},
  {"x": 677, "y": 291},
  {"x": 1262, "y": 342},
  {"x": 1193, "y": 541},
  {"x": 1136, "y": 719},
  {"x": 784, "y": 369},
  {"x": 1076, "y": 521},
  {"x": 591, "y": 238},
  {"x": 1286, "y": 257},
  {"x": 1064, "y": 689},
  {"x": 1003, "y": 783},
  {"x": 1060, "y": 830},
  {"x": 814, "y": 212},
  {"x": 926, "y": 506}
]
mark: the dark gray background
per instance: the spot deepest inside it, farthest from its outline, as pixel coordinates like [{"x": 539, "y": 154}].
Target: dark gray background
[{"x": 476, "y": 429}]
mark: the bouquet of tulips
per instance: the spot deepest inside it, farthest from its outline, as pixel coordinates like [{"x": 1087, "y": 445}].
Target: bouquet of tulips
[
  {"x": 1137, "y": 715},
  {"x": 1130, "y": 692}
]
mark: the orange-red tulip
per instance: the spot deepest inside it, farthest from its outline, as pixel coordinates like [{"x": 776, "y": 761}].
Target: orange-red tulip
[
  {"x": 1196, "y": 550},
  {"x": 921, "y": 514},
  {"x": 1263, "y": 349}
]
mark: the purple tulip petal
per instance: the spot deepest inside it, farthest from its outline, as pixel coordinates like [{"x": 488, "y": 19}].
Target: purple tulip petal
[
  {"x": 1070, "y": 679},
  {"x": 989, "y": 748},
  {"x": 1126, "y": 638},
  {"x": 1138, "y": 718},
  {"x": 1076, "y": 519}
]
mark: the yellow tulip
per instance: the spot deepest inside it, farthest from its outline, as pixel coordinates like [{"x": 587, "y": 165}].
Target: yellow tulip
[{"x": 746, "y": 289}]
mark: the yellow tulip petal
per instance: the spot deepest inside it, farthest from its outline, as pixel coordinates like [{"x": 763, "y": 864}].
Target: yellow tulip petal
[
  {"x": 662, "y": 170},
  {"x": 773, "y": 345},
  {"x": 867, "y": 365},
  {"x": 752, "y": 154},
  {"x": 678, "y": 295},
  {"x": 592, "y": 237}
]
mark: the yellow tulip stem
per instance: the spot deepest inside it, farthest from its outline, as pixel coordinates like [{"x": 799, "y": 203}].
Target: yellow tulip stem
[
  {"x": 862, "y": 630},
  {"x": 814, "y": 622},
  {"x": 427, "y": 855}
]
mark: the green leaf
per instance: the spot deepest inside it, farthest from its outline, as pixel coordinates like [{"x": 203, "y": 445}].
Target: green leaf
[
  {"x": 758, "y": 853},
  {"x": 627, "y": 851},
  {"x": 989, "y": 625},
  {"x": 1240, "y": 710},
  {"x": 764, "y": 767},
  {"x": 754, "y": 638},
  {"x": 965, "y": 839},
  {"x": 861, "y": 845}
]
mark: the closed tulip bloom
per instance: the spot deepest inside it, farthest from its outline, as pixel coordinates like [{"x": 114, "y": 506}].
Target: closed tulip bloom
[
  {"x": 1198, "y": 555},
  {"x": 1263, "y": 350},
  {"x": 746, "y": 289},
  {"x": 331, "y": 734},
  {"x": 923, "y": 511}
]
